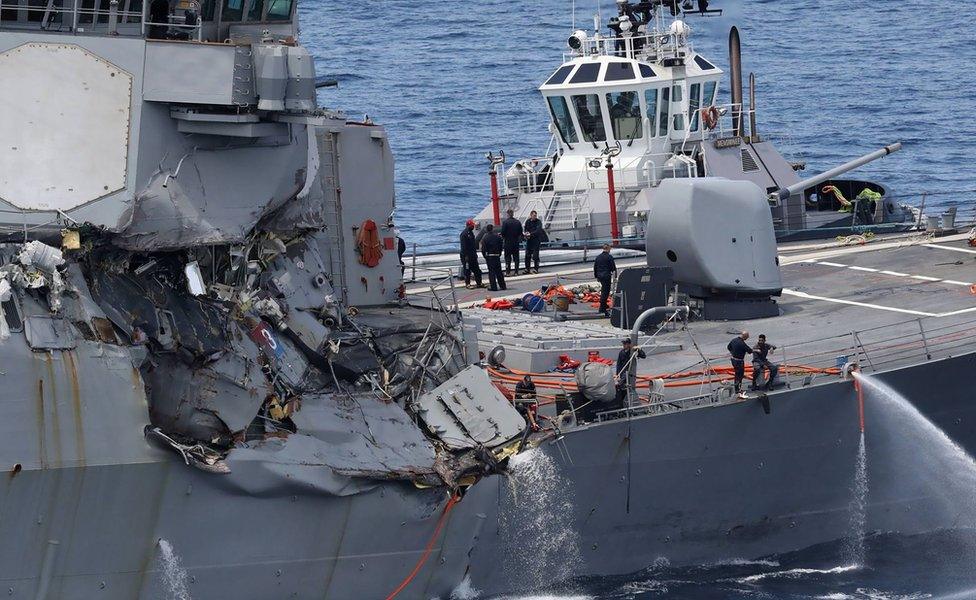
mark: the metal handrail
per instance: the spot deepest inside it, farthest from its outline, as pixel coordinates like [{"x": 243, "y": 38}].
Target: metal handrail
[
  {"x": 655, "y": 45},
  {"x": 434, "y": 300},
  {"x": 927, "y": 347},
  {"x": 107, "y": 20}
]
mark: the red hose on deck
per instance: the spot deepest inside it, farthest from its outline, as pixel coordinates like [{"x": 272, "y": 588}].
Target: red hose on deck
[
  {"x": 430, "y": 546},
  {"x": 675, "y": 380}
]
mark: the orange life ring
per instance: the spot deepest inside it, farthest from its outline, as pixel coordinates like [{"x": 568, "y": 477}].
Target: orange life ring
[
  {"x": 368, "y": 244},
  {"x": 710, "y": 117}
]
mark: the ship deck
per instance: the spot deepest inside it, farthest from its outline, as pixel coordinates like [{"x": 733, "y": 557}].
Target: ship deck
[{"x": 898, "y": 300}]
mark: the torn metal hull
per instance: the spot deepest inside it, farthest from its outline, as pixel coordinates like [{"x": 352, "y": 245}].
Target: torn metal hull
[
  {"x": 731, "y": 482},
  {"x": 85, "y": 500},
  {"x": 87, "y": 532}
]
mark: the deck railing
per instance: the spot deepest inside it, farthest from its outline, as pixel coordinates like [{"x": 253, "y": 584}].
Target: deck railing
[
  {"x": 814, "y": 362},
  {"x": 113, "y": 17}
]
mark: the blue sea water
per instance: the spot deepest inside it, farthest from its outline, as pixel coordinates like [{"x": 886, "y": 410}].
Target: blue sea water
[
  {"x": 836, "y": 78},
  {"x": 935, "y": 566}
]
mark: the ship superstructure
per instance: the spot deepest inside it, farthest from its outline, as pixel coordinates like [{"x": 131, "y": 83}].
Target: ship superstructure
[{"x": 641, "y": 105}]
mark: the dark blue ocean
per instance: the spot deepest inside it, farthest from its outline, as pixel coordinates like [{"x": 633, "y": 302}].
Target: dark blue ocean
[{"x": 836, "y": 79}]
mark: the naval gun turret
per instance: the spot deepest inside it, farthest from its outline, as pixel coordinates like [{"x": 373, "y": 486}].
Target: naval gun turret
[{"x": 717, "y": 237}]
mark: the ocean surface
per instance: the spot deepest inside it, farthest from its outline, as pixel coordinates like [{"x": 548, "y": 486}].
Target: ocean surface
[
  {"x": 935, "y": 566},
  {"x": 836, "y": 79}
]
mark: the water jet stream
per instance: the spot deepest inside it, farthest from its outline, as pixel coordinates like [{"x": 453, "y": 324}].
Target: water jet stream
[
  {"x": 946, "y": 460},
  {"x": 538, "y": 524},
  {"x": 175, "y": 577}
]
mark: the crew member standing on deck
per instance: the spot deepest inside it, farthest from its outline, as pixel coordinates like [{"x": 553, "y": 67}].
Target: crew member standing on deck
[
  {"x": 480, "y": 238},
  {"x": 604, "y": 268},
  {"x": 534, "y": 236},
  {"x": 626, "y": 354},
  {"x": 469, "y": 256},
  {"x": 512, "y": 235},
  {"x": 526, "y": 402},
  {"x": 491, "y": 246},
  {"x": 760, "y": 361},
  {"x": 738, "y": 348}
]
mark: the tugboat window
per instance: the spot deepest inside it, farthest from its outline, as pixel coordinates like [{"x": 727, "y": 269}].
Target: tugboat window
[
  {"x": 279, "y": 10},
  {"x": 36, "y": 9},
  {"x": 646, "y": 71},
  {"x": 708, "y": 98},
  {"x": 676, "y": 93},
  {"x": 704, "y": 64},
  {"x": 650, "y": 99},
  {"x": 564, "y": 122},
  {"x": 694, "y": 103},
  {"x": 560, "y": 75},
  {"x": 619, "y": 71},
  {"x": 87, "y": 12},
  {"x": 625, "y": 115},
  {"x": 590, "y": 117},
  {"x": 586, "y": 73},
  {"x": 256, "y": 10},
  {"x": 233, "y": 10},
  {"x": 665, "y": 111}
]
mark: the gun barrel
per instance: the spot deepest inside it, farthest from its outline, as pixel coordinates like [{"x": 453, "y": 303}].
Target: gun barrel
[{"x": 840, "y": 170}]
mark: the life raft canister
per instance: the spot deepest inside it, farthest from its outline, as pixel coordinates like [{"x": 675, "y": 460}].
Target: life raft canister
[{"x": 368, "y": 244}]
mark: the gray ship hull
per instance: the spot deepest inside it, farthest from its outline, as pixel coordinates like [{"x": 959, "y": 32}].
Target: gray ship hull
[
  {"x": 691, "y": 487},
  {"x": 93, "y": 532},
  {"x": 731, "y": 482}
]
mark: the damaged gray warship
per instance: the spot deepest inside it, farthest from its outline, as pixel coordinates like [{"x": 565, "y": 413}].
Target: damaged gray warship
[
  {"x": 215, "y": 384},
  {"x": 202, "y": 352}
]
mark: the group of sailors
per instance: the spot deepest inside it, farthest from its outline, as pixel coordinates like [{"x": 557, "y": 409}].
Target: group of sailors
[
  {"x": 738, "y": 348},
  {"x": 492, "y": 244},
  {"x": 527, "y": 401}
]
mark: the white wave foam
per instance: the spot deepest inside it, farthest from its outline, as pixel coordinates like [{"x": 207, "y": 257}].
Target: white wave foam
[
  {"x": 740, "y": 562},
  {"x": 874, "y": 594},
  {"x": 548, "y": 597},
  {"x": 963, "y": 595},
  {"x": 650, "y": 586},
  {"x": 465, "y": 591},
  {"x": 795, "y": 573}
]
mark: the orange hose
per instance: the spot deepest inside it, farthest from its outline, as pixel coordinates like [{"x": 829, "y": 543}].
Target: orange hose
[
  {"x": 427, "y": 550},
  {"x": 675, "y": 380}
]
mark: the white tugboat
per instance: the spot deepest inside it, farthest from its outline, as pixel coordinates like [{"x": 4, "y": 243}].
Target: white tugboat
[{"x": 641, "y": 105}]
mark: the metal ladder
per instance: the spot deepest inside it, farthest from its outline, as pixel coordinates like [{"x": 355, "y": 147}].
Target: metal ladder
[
  {"x": 566, "y": 211},
  {"x": 328, "y": 149}
]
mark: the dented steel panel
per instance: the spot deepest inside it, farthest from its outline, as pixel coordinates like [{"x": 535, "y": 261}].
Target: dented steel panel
[{"x": 468, "y": 411}]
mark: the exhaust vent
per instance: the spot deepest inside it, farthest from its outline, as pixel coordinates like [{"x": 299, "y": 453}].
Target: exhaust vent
[{"x": 748, "y": 162}]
